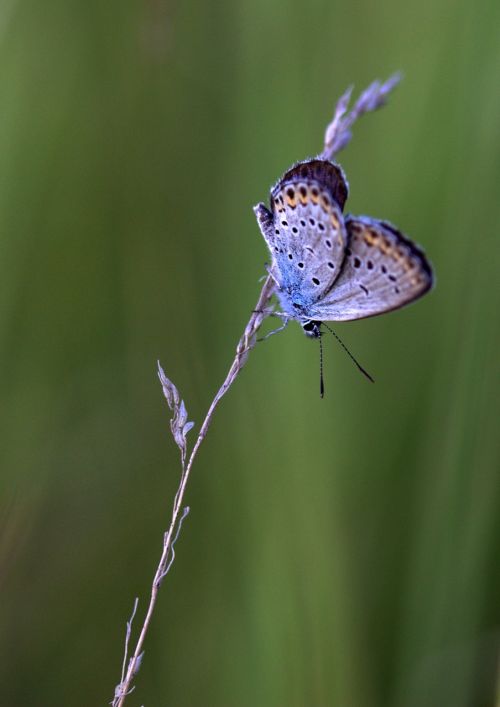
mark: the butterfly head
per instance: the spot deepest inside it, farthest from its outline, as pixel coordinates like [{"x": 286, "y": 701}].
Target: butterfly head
[{"x": 312, "y": 328}]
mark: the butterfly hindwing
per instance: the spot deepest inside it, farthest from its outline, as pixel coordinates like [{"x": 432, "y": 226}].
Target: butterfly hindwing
[
  {"x": 328, "y": 174},
  {"x": 382, "y": 270}
]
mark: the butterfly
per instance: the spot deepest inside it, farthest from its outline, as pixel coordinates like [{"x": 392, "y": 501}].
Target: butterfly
[{"x": 327, "y": 266}]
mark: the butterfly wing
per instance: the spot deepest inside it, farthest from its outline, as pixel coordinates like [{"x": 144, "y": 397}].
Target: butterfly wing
[
  {"x": 305, "y": 233},
  {"x": 324, "y": 172},
  {"x": 382, "y": 270}
]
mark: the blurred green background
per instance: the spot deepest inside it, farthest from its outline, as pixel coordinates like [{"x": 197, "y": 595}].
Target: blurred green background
[{"x": 339, "y": 552}]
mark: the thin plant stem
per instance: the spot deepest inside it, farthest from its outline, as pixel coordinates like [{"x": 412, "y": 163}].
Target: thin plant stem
[
  {"x": 245, "y": 344},
  {"x": 337, "y": 136}
]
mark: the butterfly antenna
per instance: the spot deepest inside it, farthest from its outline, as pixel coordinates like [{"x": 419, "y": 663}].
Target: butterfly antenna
[
  {"x": 321, "y": 381},
  {"x": 365, "y": 373}
]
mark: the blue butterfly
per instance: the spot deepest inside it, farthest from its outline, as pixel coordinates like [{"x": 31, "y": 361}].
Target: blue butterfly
[{"x": 331, "y": 267}]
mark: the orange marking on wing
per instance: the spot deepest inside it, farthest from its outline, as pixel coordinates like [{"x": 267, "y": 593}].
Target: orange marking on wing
[
  {"x": 371, "y": 237},
  {"x": 291, "y": 198},
  {"x": 303, "y": 195},
  {"x": 334, "y": 220},
  {"x": 385, "y": 246}
]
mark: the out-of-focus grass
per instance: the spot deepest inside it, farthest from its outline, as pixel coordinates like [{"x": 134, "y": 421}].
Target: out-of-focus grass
[{"x": 339, "y": 552}]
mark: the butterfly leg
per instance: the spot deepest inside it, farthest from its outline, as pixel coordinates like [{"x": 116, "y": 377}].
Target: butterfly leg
[{"x": 285, "y": 318}]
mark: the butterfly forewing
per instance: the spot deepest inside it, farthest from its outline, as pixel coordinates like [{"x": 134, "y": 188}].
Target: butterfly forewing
[{"x": 382, "y": 270}]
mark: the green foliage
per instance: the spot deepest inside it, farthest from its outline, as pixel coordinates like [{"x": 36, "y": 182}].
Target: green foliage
[{"x": 339, "y": 552}]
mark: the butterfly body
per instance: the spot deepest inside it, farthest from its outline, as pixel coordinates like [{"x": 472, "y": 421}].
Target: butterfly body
[{"x": 331, "y": 267}]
